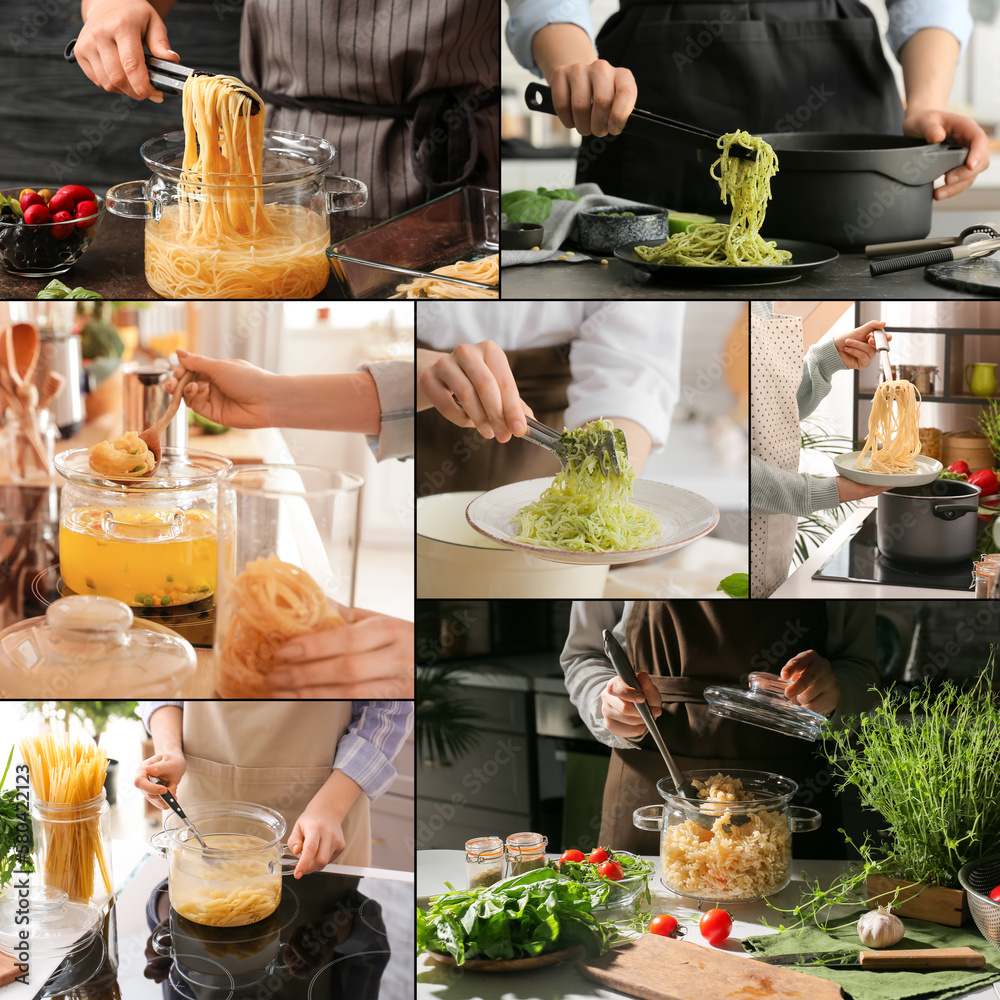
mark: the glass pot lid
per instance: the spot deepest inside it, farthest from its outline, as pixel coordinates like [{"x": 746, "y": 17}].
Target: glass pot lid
[
  {"x": 766, "y": 705},
  {"x": 179, "y": 469},
  {"x": 58, "y": 927}
]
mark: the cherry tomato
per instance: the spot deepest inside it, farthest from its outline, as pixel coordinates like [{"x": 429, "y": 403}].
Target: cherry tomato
[
  {"x": 995, "y": 893},
  {"x": 610, "y": 870},
  {"x": 37, "y": 215},
  {"x": 62, "y": 202},
  {"x": 572, "y": 855},
  {"x": 77, "y": 192},
  {"x": 64, "y": 227},
  {"x": 85, "y": 212},
  {"x": 663, "y": 924},
  {"x": 715, "y": 926},
  {"x": 597, "y": 856}
]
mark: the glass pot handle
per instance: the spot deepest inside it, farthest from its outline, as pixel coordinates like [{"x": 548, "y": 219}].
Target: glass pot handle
[
  {"x": 802, "y": 820},
  {"x": 648, "y": 818},
  {"x": 160, "y": 941},
  {"x": 285, "y": 865},
  {"x": 156, "y": 844},
  {"x": 343, "y": 194},
  {"x": 131, "y": 200},
  {"x": 126, "y": 530}
]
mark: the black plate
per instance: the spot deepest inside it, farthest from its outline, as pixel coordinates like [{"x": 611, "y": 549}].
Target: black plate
[{"x": 805, "y": 257}]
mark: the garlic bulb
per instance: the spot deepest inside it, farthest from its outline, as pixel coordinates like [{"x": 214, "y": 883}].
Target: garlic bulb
[{"x": 880, "y": 928}]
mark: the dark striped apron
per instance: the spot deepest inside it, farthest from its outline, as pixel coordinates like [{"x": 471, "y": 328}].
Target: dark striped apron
[
  {"x": 776, "y": 66},
  {"x": 407, "y": 91},
  {"x": 687, "y": 646}
]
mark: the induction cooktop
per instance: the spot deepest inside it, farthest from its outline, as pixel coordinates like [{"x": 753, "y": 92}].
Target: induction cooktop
[{"x": 333, "y": 936}]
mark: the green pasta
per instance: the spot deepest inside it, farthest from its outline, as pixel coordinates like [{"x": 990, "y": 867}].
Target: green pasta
[
  {"x": 584, "y": 510},
  {"x": 746, "y": 185}
]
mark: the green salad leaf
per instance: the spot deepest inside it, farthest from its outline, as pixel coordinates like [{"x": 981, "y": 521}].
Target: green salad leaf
[
  {"x": 736, "y": 585},
  {"x": 604, "y": 890},
  {"x": 531, "y": 915}
]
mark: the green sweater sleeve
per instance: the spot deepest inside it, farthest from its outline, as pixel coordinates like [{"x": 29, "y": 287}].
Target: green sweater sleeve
[
  {"x": 777, "y": 491},
  {"x": 821, "y": 363}
]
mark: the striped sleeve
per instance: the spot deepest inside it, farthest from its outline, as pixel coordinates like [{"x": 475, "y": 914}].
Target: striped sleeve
[{"x": 377, "y": 732}]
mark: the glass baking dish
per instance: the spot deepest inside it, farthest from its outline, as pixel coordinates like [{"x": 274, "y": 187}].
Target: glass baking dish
[{"x": 461, "y": 225}]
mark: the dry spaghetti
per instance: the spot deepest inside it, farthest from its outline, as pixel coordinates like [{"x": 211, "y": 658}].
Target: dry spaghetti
[
  {"x": 126, "y": 457},
  {"x": 893, "y": 440},
  {"x": 746, "y": 185},
  {"x": 269, "y": 603},
  {"x": 67, "y": 779},
  {"x": 485, "y": 270}
]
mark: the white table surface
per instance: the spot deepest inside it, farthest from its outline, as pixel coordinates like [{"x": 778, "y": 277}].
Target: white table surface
[
  {"x": 563, "y": 981},
  {"x": 801, "y": 583}
]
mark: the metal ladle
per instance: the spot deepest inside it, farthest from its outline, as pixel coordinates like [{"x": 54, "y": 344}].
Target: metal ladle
[{"x": 176, "y": 807}]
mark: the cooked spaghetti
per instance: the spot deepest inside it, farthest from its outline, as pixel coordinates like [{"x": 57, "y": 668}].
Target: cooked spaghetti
[
  {"x": 746, "y": 185},
  {"x": 67, "y": 778},
  {"x": 485, "y": 270},
  {"x": 225, "y": 891},
  {"x": 127, "y": 457},
  {"x": 269, "y": 603},
  {"x": 893, "y": 441},
  {"x": 221, "y": 239},
  {"x": 585, "y": 510}
]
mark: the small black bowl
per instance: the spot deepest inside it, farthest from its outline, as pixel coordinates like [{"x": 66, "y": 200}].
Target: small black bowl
[{"x": 521, "y": 236}]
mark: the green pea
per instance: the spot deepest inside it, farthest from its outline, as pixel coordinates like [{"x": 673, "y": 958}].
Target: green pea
[
  {"x": 164, "y": 600},
  {"x": 139, "y": 598},
  {"x": 204, "y": 590},
  {"x": 170, "y": 578},
  {"x": 147, "y": 602}
]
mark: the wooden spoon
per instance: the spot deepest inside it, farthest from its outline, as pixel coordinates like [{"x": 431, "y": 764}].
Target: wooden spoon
[
  {"x": 23, "y": 349},
  {"x": 51, "y": 387},
  {"x": 151, "y": 435}
]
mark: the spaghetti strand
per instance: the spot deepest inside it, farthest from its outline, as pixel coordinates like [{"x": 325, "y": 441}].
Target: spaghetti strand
[{"x": 893, "y": 441}]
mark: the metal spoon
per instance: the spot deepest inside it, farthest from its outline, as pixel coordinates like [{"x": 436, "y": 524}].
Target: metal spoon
[
  {"x": 176, "y": 807},
  {"x": 151, "y": 435}
]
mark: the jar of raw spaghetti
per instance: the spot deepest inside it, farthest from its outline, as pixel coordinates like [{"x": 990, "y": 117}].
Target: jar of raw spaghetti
[
  {"x": 192, "y": 252},
  {"x": 73, "y": 847}
]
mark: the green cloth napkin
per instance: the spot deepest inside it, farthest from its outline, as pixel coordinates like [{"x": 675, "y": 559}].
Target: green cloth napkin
[{"x": 842, "y": 937}]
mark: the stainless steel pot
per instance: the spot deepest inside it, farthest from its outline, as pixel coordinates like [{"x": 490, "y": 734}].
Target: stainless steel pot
[{"x": 933, "y": 524}]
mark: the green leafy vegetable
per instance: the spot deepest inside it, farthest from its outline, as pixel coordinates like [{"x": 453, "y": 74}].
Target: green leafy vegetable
[
  {"x": 736, "y": 585},
  {"x": 533, "y": 206},
  {"x": 55, "y": 289},
  {"x": 587, "y": 874},
  {"x": 16, "y": 840},
  {"x": 531, "y": 915}
]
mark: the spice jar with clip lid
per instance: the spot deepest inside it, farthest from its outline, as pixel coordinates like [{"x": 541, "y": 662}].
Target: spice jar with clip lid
[
  {"x": 524, "y": 852},
  {"x": 483, "y": 861},
  {"x": 766, "y": 704}
]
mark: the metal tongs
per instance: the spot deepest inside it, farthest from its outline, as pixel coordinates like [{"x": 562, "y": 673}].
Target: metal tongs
[
  {"x": 974, "y": 241},
  {"x": 882, "y": 349},
  {"x": 548, "y": 437},
  {"x": 649, "y": 126},
  {"x": 167, "y": 76}
]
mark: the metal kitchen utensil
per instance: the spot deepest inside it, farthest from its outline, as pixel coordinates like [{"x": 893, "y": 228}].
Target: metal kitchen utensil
[
  {"x": 625, "y": 671},
  {"x": 549, "y": 438},
  {"x": 144, "y": 399},
  {"x": 649, "y": 126},
  {"x": 908, "y": 958},
  {"x": 882, "y": 349},
  {"x": 167, "y": 76},
  {"x": 978, "y": 879},
  {"x": 152, "y": 434},
  {"x": 176, "y": 807},
  {"x": 981, "y": 248},
  {"x": 932, "y": 243}
]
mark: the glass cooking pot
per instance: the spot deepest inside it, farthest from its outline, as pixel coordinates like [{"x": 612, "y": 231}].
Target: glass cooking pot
[
  {"x": 297, "y": 197},
  {"x": 727, "y": 850},
  {"x": 145, "y": 542},
  {"x": 238, "y": 880}
]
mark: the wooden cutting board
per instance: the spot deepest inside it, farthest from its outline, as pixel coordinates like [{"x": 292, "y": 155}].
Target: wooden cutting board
[{"x": 659, "y": 968}]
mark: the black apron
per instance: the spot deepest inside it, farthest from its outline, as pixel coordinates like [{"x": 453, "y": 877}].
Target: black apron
[{"x": 778, "y": 66}]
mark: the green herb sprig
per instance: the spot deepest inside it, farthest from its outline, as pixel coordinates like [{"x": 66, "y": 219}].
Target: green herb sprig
[{"x": 15, "y": 849}]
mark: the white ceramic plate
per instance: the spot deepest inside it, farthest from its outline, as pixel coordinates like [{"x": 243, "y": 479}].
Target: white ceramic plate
[
  {"x": 684, "y": 517},
  {"x": 928, "y": 469}
]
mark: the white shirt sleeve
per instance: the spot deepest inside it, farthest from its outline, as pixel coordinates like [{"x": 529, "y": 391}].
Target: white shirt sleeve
[
  {"x": 529, "y": 16},
  {"x": 907, "y": 17},
  {"x": 394, "y": 385},
  {"x": 626, "y": 363}
]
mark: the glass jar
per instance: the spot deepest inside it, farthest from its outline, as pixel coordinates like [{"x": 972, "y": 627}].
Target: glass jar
[
  {"x": 73, "y": 847},
  {"x": 524, "y": 852},
  {"x": 727, "y": 850},
  {"x": 145, "y": 542},
  {"x": 238, "y": 880},
  {"x": 483, "y": 862},
  {"x": 292, "y": 528},
  {"x": 297, "y": 197}
]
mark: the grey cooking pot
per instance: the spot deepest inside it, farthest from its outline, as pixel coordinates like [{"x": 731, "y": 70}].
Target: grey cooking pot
[
  {"x": 848, "y": 190},
  {"x": 933, "y": 524}
]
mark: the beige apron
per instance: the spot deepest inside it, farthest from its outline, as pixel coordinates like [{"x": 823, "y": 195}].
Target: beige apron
[
  {"x": 775, "y": 438},
  {"x": 274, "y": 753}
]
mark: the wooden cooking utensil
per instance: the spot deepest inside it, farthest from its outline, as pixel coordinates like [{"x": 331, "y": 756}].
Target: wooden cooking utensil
[
  {"x": 51, "y": 387},
  {"x": 24, "y": 346},
  {"x": 151, "y": 435}
]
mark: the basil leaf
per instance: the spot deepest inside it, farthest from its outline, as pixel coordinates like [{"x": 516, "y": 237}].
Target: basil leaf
[
  {"x": 561, "y": 194},
  {"x": 513, "y": 196},
  {"x": 534, "y": 209},
  {"x": 736, "y": 585},
  {"x": 55, "y": 289}
]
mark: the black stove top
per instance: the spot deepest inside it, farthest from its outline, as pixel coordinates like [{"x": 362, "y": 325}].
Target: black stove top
[
  {"x": 333, "y": 936},
  {"x": 859, "y": 561}
]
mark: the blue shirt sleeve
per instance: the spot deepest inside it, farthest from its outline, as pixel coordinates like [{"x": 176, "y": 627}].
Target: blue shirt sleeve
[
  {"x": 907, "y": 17},
  {"x": 529, "y": 16},
  {"x": 377, "y": 731}
]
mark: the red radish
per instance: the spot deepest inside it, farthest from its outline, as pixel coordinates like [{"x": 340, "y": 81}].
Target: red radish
[
  {"x": 64, "y": 227},
  {"x": 37, "y": 215},
  {"x": 62, "y": 202},
  {"x": 83, "y": 210},
  {"x": 30, "y": 198},
  {"x": 77, "y": 192}
]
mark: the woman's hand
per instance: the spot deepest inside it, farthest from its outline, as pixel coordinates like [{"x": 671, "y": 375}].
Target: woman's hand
[
  {"x": 233, "y": 393},
  {"x": 936, "y": 126},
  {"x": 479, "y": 376},
  {"x": 109, "y": 46},
  {"x": 618, "y": 702},
  {"x": 594, "y": 98},
  {"x": 857, "y": 347},
  {"x": 369, "y": 657},
  {"x": 848, "y": 490},
  {"x": 317, "y": 838},
  {"x": 814, "y": 684},
  {"x": 169, "y": 767}
]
